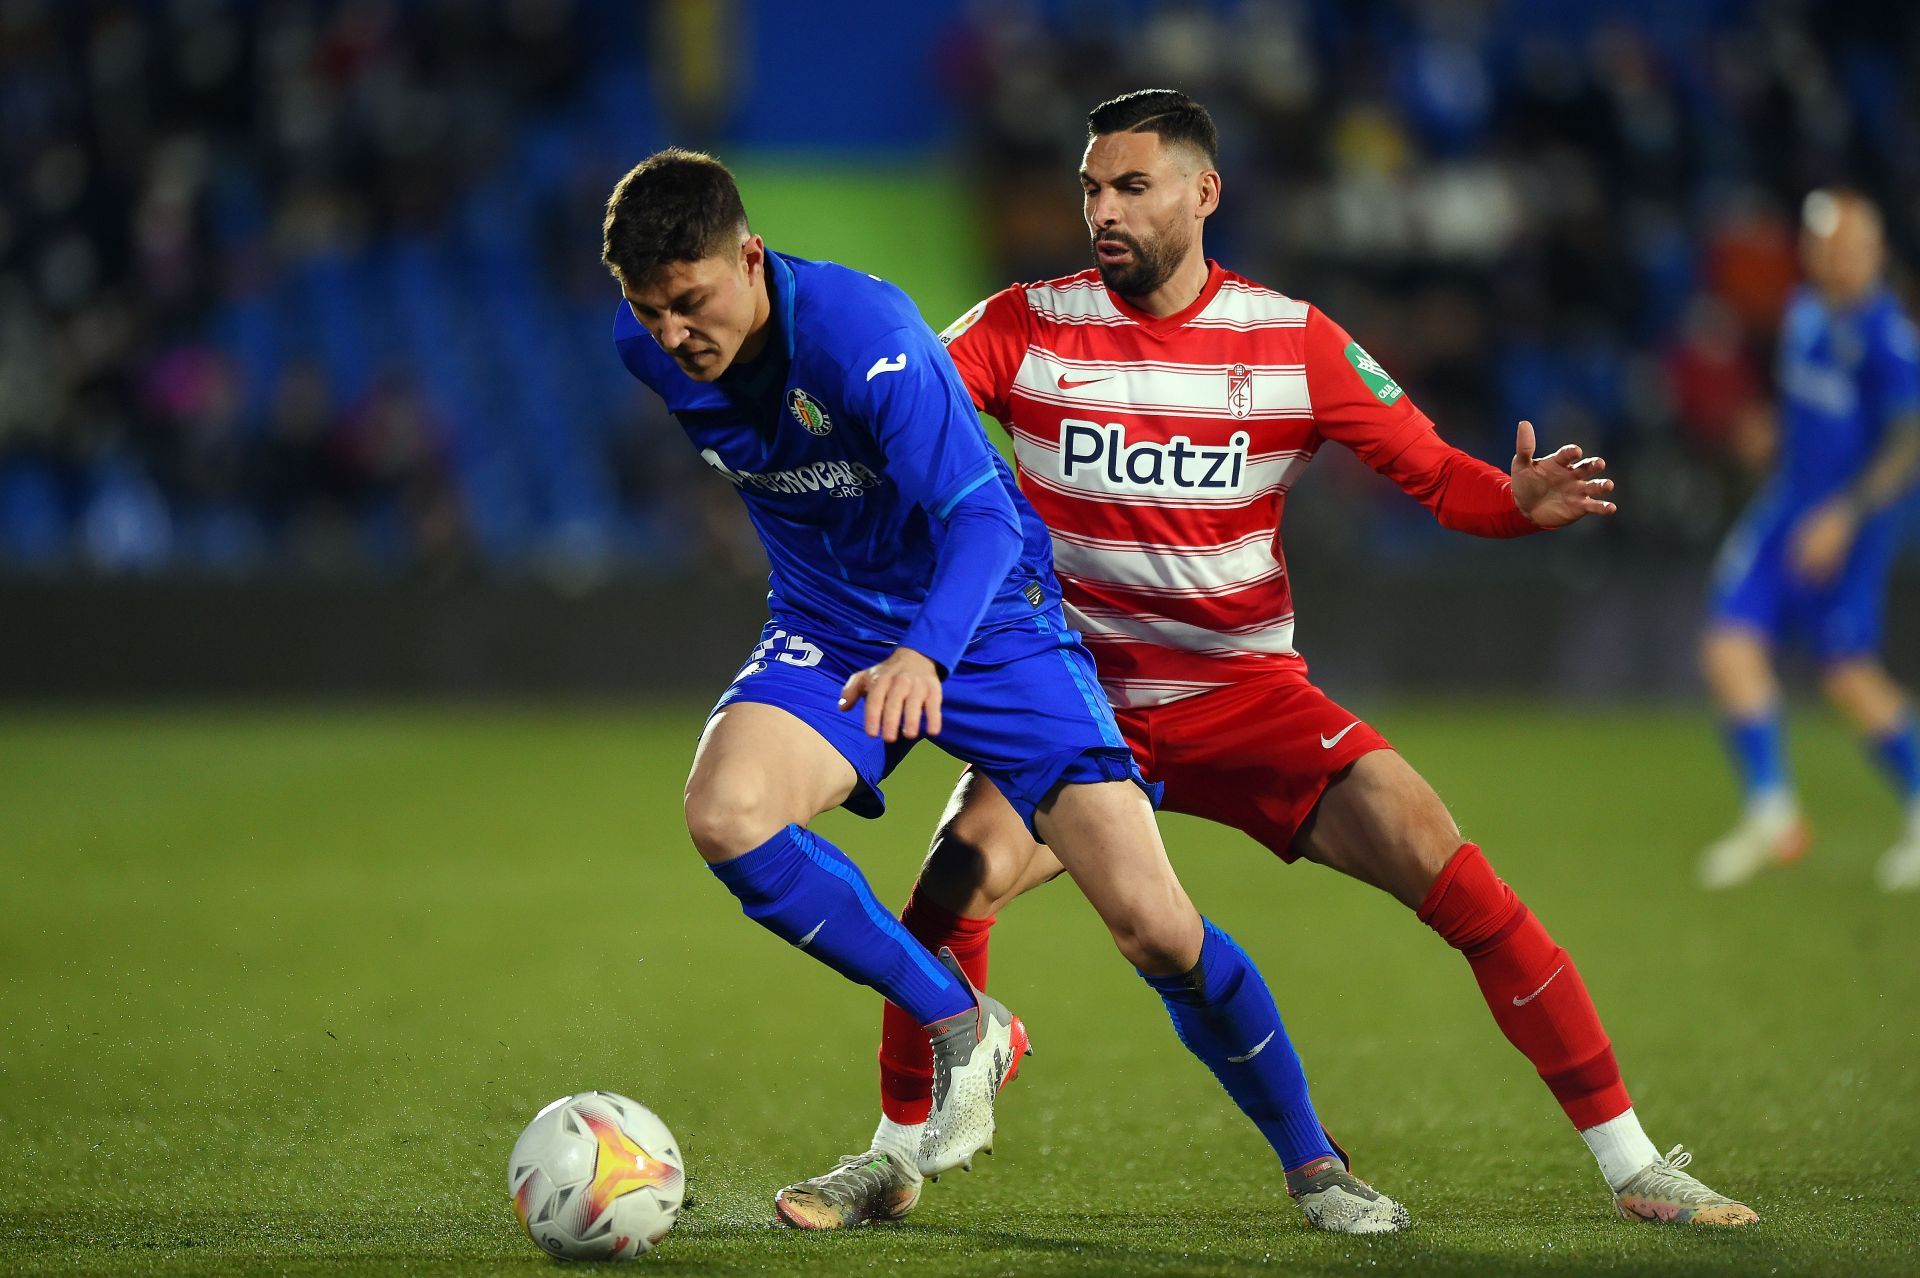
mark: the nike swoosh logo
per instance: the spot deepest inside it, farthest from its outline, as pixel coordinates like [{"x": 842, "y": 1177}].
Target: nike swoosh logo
[
  {"x": 1329, "y": 742},
  {"x": 1522, "y": 1002},
  {"x": 807, "y": 940},
  {"x": 1242, "y": 1060},
  {"x": 1064, "y": 383}
]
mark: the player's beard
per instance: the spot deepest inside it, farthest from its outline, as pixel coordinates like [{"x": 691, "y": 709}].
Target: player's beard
[{"x": 1143, "y": 273}]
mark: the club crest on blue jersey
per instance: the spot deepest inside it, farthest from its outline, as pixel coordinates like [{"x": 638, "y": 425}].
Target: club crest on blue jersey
[{"x": 807, "y": 411}]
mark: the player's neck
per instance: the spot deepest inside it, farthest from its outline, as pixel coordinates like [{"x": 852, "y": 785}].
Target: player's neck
[
  {"x": 755, "y": 342},
  {"x": 1178, "y": 292},
  {"x": 1848, "y": 300}
]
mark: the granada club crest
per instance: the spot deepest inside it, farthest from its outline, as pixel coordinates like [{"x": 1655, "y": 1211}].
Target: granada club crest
[
  {"x": 1239, "y": 391},
  {"x": 807, "y": 411}
]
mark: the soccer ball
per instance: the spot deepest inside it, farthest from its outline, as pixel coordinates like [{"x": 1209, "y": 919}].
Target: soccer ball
[{"x": 596, "y": 1177}]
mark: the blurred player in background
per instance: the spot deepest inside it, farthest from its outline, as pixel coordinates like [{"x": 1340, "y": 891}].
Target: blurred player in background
[
  {"x": 1160, "y": 408},
  {"x": 1810, "y": 558},
  {"x": 908, "y": 573}
]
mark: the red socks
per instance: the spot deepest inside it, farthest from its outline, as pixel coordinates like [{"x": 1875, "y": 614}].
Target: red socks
[
  {"x": 906, "y": 1061},
  {"x": 1532, "y": 987}
]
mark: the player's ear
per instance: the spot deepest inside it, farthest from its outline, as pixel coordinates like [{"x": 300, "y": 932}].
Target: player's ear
[
  {"x": 753, "y": 257},
  {"x": 1209, "y": 194}
]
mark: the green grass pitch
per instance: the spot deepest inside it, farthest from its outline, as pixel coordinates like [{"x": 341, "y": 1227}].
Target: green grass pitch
[{"x": 278, "y": 990}]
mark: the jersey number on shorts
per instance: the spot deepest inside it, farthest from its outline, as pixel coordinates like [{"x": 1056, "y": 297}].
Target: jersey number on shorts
[{"x": 798, "y": 651}]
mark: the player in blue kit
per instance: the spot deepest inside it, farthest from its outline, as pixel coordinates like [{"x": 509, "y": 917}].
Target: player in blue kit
[
  {"x": 1810, "y": 558},
  {"x": 912, "y": 594}
]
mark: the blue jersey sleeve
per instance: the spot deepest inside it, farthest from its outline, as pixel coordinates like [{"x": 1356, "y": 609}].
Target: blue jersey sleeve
[
  {"x": 1893, "y": 368},
  {"x": 920, "y": 414},
  {"x": 908, "y": 391}
]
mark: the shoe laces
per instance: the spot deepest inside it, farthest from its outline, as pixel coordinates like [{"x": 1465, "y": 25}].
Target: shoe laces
[
  {"x": 857, "y": 1175},
  {"x": 1669, "y": 1175}
]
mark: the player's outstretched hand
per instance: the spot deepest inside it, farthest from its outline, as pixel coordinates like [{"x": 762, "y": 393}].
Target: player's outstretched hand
[
  {"x": 1560, "y": 488},
  {"x": 902, "y": 693}
]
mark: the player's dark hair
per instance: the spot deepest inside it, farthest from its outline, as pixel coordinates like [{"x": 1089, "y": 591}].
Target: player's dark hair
[
  {"x": 674, "y": 206},
  {"x": 1168, "y": 113}
]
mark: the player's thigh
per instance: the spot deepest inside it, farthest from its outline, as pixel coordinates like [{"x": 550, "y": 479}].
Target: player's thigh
[
  {"x": 1863, "y": 691},
  {"x": 779, "y": 749},
  {"x": 1381, "y": 823},
  {"x": 1257, "y": 756},
  {"x": 983, "y": 856},
  {"x": 1104, "y": 834},
  {"x": 1752, "y": 579},
  {"x": 759, "y": 768},
  {"x": 1026, "y": 710}
]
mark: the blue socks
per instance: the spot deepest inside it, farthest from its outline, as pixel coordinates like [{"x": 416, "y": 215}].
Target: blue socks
[
  {"x": 1759, "y": 755},
  {"x": 1898, "y": 754},
  {"x": 1225, "y": 1014},
  {"x": 809, "y": 894}
]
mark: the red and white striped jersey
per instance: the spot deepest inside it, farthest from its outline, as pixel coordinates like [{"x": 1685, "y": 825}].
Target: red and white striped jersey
[{"x": 1159, "y": 451}]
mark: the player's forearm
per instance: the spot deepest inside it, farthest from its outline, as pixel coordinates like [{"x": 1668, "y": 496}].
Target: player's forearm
[
  {"x": 981, "y": 546},
  {"x": 1892, "y": 471},
  {"x": 1464, "y": 493}
]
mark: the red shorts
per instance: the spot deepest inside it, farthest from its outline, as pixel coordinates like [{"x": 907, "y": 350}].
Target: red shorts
[{"x": 1255, "y": 756}]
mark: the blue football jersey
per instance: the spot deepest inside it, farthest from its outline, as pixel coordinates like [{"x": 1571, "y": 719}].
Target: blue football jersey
[
  {"x": 850, "y": 462},
  {"x": 1844, "y": 375}
]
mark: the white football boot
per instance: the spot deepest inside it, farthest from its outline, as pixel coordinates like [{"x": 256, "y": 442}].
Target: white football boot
[
  {"x": 975, "y": 1054},
  {"x": 1899, "y": 869},
  {"x": 1771, "y": 832},
  {"x": 1665, "y": 1193}
]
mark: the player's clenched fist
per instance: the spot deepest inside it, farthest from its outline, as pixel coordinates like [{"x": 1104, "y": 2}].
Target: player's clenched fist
[{"x": 901, "y": 692}]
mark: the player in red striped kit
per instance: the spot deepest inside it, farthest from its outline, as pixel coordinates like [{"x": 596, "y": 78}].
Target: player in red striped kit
[{"x": 1160, "y": 408}]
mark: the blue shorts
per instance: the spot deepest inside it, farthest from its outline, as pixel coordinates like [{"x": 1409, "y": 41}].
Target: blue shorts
[
  {"x": 1754, "y": 585},
  {"x": 1024, "y": 706}
]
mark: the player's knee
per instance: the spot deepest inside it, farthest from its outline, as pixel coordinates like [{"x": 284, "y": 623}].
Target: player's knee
[
  {"x": 1736, "y": 666},
  {"x": 1159, "y": 945},
  {"x": 1417, "y": 843},
  {"x": 978, "y": 873},
  {"x": 1865, "y": 693},
  {"x": 962, "y": 873},
  {"x": 730, "y": 816},
  {"x": 1431, "y": 844},
  {"x": 1848, "y": 683}
]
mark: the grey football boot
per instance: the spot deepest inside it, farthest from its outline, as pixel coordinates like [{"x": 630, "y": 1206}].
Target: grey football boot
[
  {"x": 1339, "y": 1202},
  {"x": 975, "y": 1054}
]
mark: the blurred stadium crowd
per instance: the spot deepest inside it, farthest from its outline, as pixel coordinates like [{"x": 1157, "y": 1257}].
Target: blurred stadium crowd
[{"x": 305, "y": 286}]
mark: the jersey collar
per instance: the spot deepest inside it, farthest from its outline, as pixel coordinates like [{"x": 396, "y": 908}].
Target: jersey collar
[
  {"x": 1161, "y": 325},
  {"x": 780, "y": 279}
]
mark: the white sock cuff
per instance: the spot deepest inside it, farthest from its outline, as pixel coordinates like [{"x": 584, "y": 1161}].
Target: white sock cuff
[
  {"x": 899, "y": 1139},
  {"x": 1620, "y": 1147}
]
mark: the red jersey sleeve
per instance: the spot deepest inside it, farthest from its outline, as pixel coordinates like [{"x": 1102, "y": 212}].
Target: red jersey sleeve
[
  {"x": 1357, "y": 403},
  {"x": 987, "y": 345}
]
